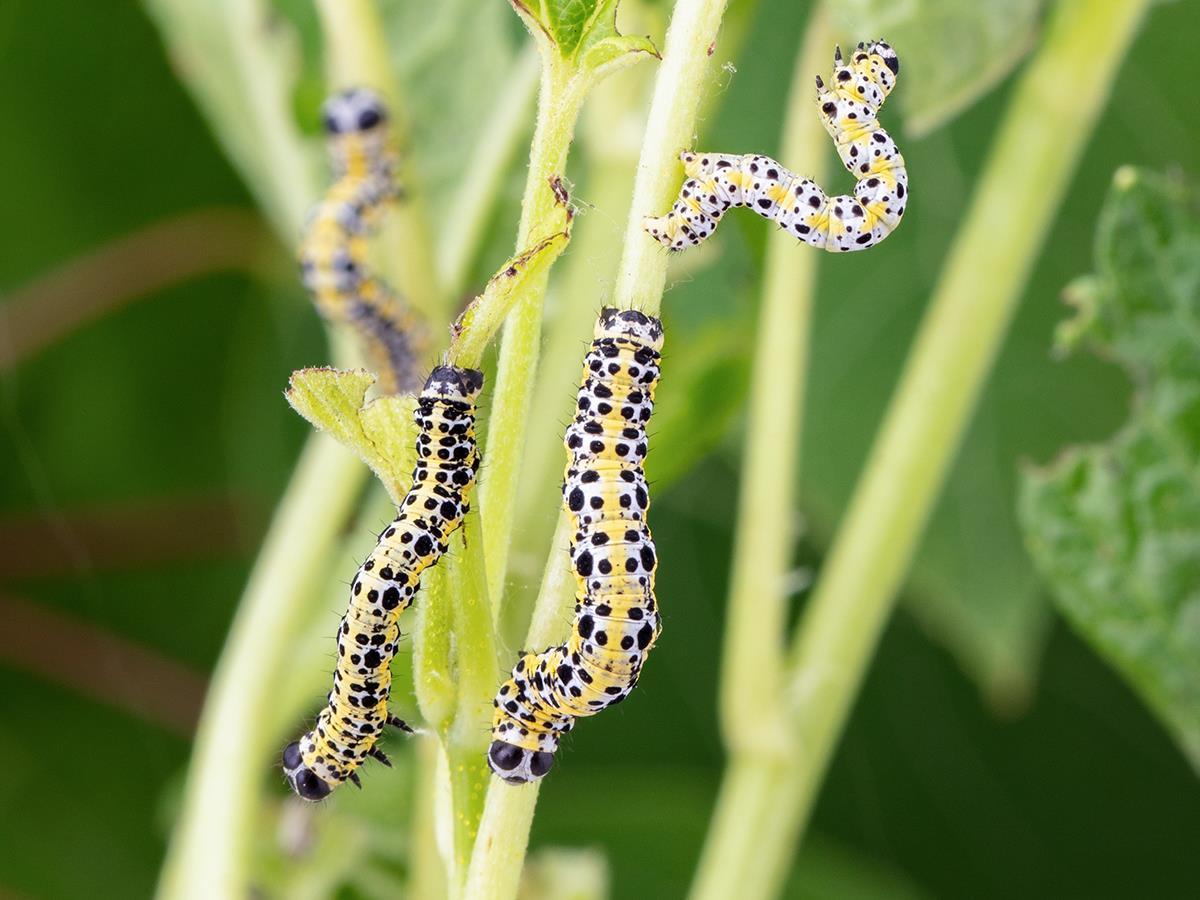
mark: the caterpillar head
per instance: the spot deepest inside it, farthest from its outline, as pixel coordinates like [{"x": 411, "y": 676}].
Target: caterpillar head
[
  {"x": 516, "y": 765},
  {"x": 307, "y": 784},
  {"x": 452, "y": 383},
  {"x": 878, "y": 64},
  {"x": 629, "y": 323},
  {"x": 355, "y": 110}
]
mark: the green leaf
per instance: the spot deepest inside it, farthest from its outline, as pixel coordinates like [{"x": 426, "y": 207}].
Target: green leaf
[
  {"x": 1113, "y": 527},
  {"x": 951, "y": 51},
  {"x": 481, "y": 320},
  {"x": 583, "y": 32},
  {"x": 379, "y": 431}
]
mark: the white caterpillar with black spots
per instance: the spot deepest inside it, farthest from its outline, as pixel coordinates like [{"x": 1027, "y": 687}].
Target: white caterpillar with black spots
[
  {"x": 612, "y": 553},
  {"x": 848, "y": 107}
]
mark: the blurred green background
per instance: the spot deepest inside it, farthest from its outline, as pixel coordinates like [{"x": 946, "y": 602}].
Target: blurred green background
[{"x": 992, "y": 754}]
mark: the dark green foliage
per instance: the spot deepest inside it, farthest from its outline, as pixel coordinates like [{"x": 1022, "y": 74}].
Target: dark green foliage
[{"x": 1115, "y": 527}]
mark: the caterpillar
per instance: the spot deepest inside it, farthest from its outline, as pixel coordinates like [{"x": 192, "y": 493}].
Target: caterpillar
[
  {"x": 447, "y": 460},
  {"x": 333, "y": 254},
  {"x": 848, "y": 108},
  {"x": 612, "y": 553}
]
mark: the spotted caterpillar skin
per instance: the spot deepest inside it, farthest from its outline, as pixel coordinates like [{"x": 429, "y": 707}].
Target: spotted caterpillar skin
[
  {"x": 333, "y": 256},
  {"x": 612, "y": 554},
  {"x": 447, "y": 459},
  {"x": 718, "y": 181}
]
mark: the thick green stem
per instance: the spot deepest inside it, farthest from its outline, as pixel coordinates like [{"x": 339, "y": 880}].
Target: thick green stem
[
  {"x": 477, "y": 672},
  {"x": 752, "y": 669},
  {"x": 558, "y": 109},
  {"x": 503, "y": 838},
  {"x": 611, "y": 130},
  {"x": 1045, "y": 130},
  {"x": 357, "y": 54},
  {"x": 207, "y": 855},
  {"x": 683, "y": 80}
]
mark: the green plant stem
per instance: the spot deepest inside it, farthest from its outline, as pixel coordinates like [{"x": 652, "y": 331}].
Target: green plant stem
[
  {"x": 1049, "y": 120},
  {"x": 611, "y": 140},
  {"x": 477, "y": 673},
  {"x": 503, "y": 838},
  {"x": 357, "y": 54},
  {"x": 558, "y": 109},
  {"x": 752, "y": 669},
  {"x": 207, "y": 854},
  {"x": 683, "y": 80},
  {"x": 495, "y": 148}
]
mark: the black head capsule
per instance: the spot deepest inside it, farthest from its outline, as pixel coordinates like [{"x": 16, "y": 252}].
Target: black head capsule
[{"x": 307, "y": 784}]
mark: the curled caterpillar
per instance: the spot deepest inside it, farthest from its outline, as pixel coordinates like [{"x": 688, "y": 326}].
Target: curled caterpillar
[
  {"x": 333, "y": 255},
  {"x": 848, "y": 108},
  {"x": 447, "y": 459},
  {"x": 612, "y": 554}
]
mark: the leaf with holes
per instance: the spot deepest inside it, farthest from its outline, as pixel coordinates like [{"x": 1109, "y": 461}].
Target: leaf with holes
[{"x": 1114, "y": 528}]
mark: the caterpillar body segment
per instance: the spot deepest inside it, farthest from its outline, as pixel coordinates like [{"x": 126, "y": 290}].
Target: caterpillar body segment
[
  {"x": 356, "y": 713},
  {"x": 848, "y": 107},
  {"x": 333, "y": 255},
  {"x": 612, "y": 555}
]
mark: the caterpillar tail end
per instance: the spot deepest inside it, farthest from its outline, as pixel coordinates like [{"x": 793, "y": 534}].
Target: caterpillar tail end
[
  {"x": 307, "y": 784},
  {"x": 516, "y": 765},
  {"x": 659, "y": 228}
]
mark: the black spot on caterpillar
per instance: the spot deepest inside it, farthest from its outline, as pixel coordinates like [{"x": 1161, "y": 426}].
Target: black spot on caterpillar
[
  {"x": 718, "y": 181},
  {"x": 384, "y": 586},
  {"x": 333, "y": 255},
  {"x": 612, "y": 554}
]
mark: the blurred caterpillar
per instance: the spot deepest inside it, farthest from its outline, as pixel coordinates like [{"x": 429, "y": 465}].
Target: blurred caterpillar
[
  {"x": 612, "y": 553},
  {"x": 718, "y": 181},
  {"x": 447, "y": 459},
  {"x": 333, "y": 255}
]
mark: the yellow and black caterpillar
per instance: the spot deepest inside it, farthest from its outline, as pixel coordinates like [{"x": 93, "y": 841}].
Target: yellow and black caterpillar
[
  {"x": 333, "y": 255},
  {"x": 612, "y": 553},
  {"x": 848, "y": 108},
  {"x": 384, "y": 586}
]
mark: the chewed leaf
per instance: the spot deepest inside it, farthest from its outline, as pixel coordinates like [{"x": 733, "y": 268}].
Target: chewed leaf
[
  {"x": 379, "y": 431},
  {"x": 583, "y": 32},
  {"x": 486, "y": 313},
  {"x": 1114, "y": 527},
  {"x": 952, "y": 51}
]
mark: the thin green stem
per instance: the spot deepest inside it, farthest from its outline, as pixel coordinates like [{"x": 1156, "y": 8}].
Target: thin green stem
[
  {"x": 207, "y": 855},
  {"x": 1044, "y": 132},
  {"x": 558, "y": 109},
  {"x": 477, "y": 672},
  {"x": 357, "y": 54},
  {"x": 503, "y": 838},
  {"x": 612, "y": 141},
  {"x": 683, "y": 80},
  {"x": 752, "y": 670}
]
